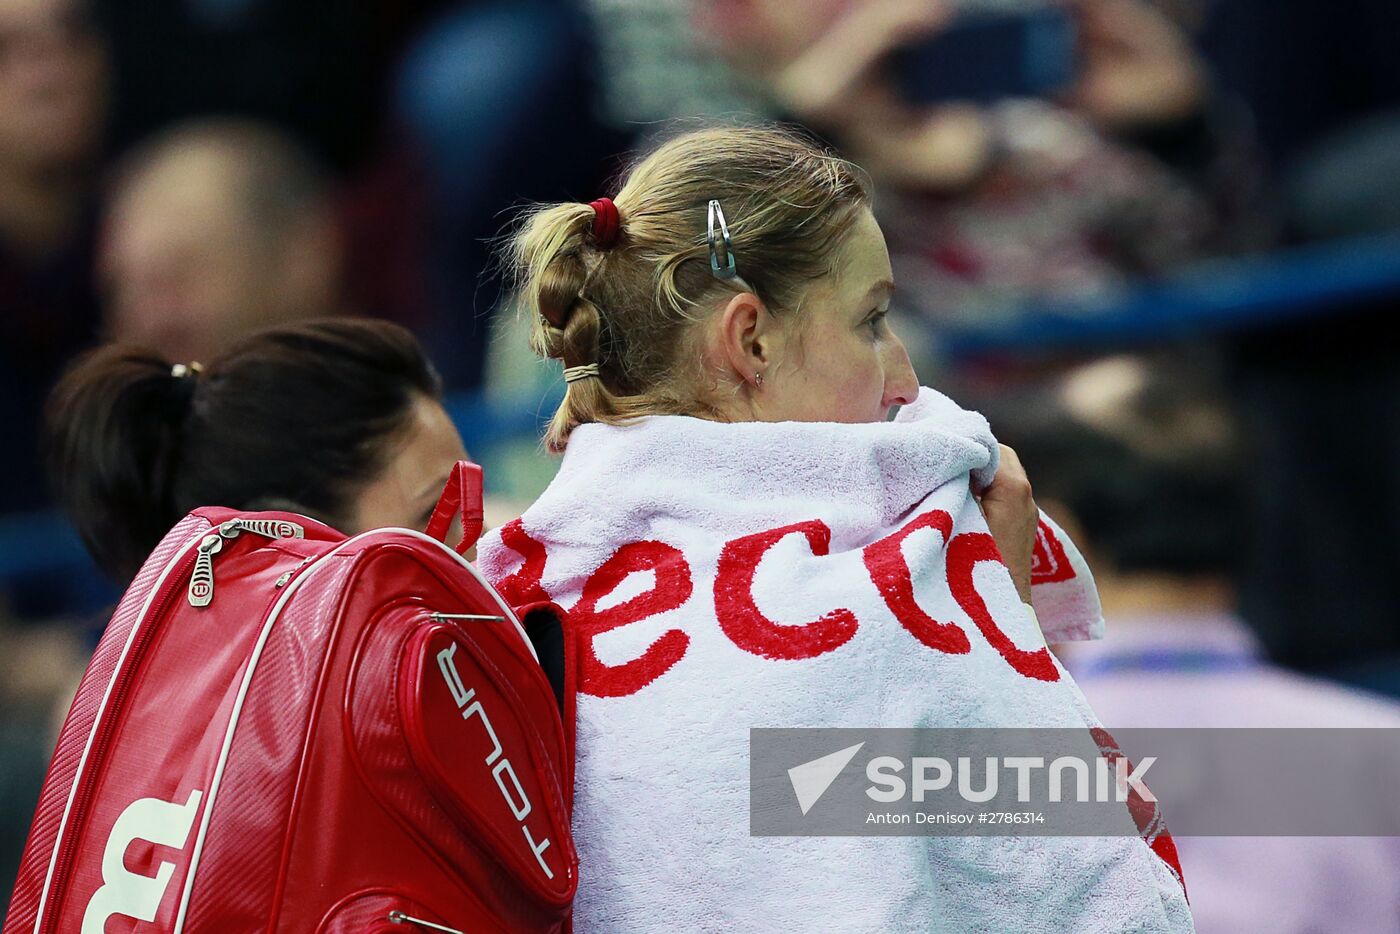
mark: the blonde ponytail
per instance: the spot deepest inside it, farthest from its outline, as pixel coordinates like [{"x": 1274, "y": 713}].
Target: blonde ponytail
[
  {"x": 554, "y": 258},
  {"x": 626, "y": 300}
]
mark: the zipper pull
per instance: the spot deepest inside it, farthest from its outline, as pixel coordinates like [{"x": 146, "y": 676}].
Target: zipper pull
[
  {"x": 202, "y": 580},
  {"x": 287, "y": 575},
  {"x": 267, "y": 528}
]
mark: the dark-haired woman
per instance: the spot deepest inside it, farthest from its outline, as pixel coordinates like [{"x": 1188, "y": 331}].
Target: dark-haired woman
[{"x": 340, "y": 420}]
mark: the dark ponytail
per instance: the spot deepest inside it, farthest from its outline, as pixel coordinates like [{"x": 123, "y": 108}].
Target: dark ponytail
[
  {"x": 300, "y": 417},
  {"x": 114, "y": 436}
]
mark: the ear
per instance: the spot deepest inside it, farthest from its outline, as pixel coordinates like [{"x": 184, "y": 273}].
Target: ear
[{"x": 747, "y": 337}]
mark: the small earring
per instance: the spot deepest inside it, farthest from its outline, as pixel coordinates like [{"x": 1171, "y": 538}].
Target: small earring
[{"x": 758, "y": 380}]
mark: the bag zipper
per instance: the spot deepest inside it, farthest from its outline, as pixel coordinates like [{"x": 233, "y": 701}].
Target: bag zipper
[{"x": 201, "y": 589}]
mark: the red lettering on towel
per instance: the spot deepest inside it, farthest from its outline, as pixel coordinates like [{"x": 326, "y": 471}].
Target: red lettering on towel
[
  {"x": 1049, "y": 564},
  {"x": 745, "y": 624},
  {"x": 522, "y": 587},
  {"x": 965, "y": 552},
  {"x": 672, "y": 588},
  {"x": 889, "y": 571}
]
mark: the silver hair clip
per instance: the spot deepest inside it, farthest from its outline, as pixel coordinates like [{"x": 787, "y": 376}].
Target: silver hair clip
[
  {"x": 575, "y": 373},
  {"x": 727, "y": 270}
]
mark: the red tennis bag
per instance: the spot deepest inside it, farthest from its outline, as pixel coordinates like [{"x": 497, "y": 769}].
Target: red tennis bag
[{"x": 283, "y": 729}]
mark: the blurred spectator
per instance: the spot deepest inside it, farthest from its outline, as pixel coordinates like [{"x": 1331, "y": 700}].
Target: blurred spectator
[
  {"x": 1320, "y": 401},
  {"x": 433, "y": 115},
  {"x": 1307, "y": 68},
  {"x": 52, "y": 95},
  {"x": 53, "y": 85},
  {"x": 1321, "y": 395},
  {"x": 1143, "y": 463},
  {"x": 497, "y": 98},
  {"x": 215, "y": 229},
  {"x": 1322, "y": 82},
  {"x": 315, "y": 70},
  {"x": 1126, "y": 173}
]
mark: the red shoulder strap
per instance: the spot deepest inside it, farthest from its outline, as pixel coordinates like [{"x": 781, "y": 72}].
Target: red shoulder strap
[{"x": 461, "y": 495}]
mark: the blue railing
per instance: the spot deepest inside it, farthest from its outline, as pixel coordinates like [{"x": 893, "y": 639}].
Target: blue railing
[{"x": 1208, "y": 297}]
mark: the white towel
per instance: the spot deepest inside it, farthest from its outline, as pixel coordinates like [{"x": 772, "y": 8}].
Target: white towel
[{"x": 728, "y": 576}]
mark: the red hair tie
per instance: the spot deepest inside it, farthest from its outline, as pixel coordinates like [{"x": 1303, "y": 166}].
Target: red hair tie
[{"x": 606, "y": 222}]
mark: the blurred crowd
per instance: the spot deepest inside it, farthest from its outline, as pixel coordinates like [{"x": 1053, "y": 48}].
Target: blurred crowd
[{"x": 181, "y": 173}]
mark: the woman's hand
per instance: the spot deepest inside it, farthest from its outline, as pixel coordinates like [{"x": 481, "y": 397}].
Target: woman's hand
[
  {"x": 1012, "y": 517},
  {"x": 829, "y": 79},
  {"x": 840, "y": 82},
  {"x": 1139, "y": 68}
]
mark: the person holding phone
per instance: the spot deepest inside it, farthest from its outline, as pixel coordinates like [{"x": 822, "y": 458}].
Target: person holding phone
[{"x": 1029, "y": 150}]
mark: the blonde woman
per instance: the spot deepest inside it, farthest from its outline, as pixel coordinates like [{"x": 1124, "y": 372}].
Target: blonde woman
[{"x": 744, "y": 540}]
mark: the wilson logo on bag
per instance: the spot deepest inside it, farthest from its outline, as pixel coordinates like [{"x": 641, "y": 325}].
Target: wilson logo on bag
[{"x": 123, "y": 892}]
